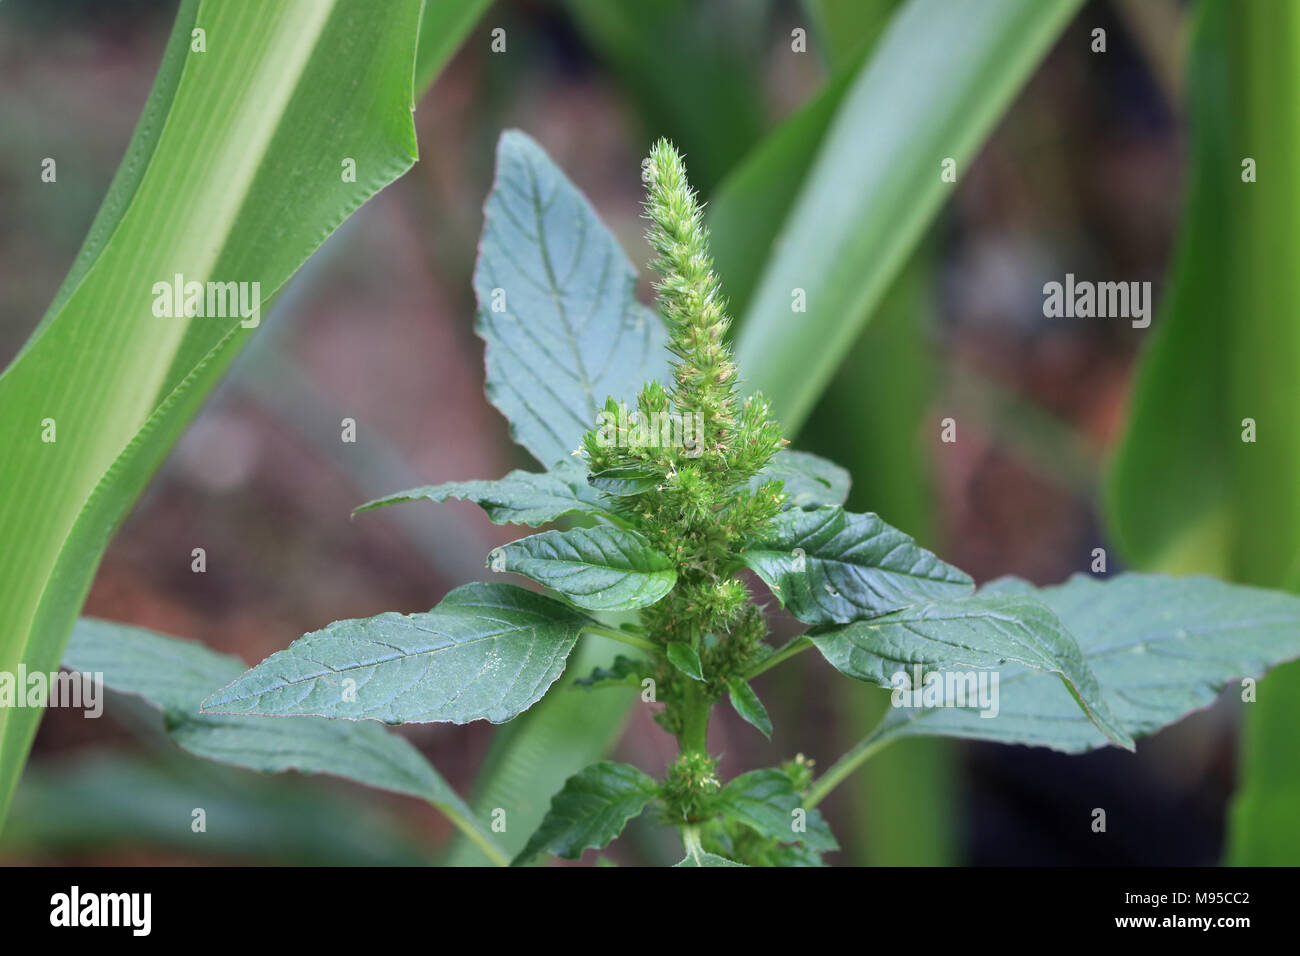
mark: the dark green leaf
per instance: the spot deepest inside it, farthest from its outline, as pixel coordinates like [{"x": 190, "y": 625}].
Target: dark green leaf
[
  {"x": 748, "y": 705},
  {"x": 829, "y": 566},
  {"x": 521, "y": 497},
  {"x": 624, "y": 672},
  {"x": 590, "y": 811},
  {"x": 1159, "y": 646},
  {"x": 487, "y": 652},
  {"x": 556, "y": 306},
  {"x": 175, "y": 675},
  {"x": 686, "y": 659},
  {"x": 601, "y": 569},
  {"x": 766, "y": 801},
  {"x": 988, "y": 631},
  {"x": 810, "y": 481}
]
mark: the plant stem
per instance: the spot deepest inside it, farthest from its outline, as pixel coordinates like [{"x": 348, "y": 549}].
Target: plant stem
[
  {"x": 695, "y": 720},
  {"x": 868, "y": 747},
  {"x": 614, "y": 634},
  {"x": 800, "y": 643}
]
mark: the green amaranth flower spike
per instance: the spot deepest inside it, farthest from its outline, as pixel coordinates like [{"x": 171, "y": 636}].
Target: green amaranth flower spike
[{"x": 698, "y": 506}]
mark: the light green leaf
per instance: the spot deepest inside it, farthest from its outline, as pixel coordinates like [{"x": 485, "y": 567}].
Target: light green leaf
[
  {"x": 556, "y": 306},
  {"x": 830, "y": 566},
  {"x": 1159, "y": 647},
  {"x": 521, "y": 497},
  {"x": 686, "y": 659},
  {"x": 624, "y": 480},
  {"x": 590, "y": 811},
  {"x": 487, "y": 652},
  {"x": 766, "y": 802},
  {"x": 704, "y": 858},
  {"x": 875, "y": 185},
  {"x": 992, "y": 630},
  {"x": 600, "y": 569},
  {"x": 234, "y": 175},
  {"x": 175, "y": 676},
  {"x": 810, "y": 481},
  {"x": 747, "y": 704}
]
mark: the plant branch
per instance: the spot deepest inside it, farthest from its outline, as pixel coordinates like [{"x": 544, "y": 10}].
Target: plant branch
[
  {"x": 867, "y": 748},
  {"x": 800, "y": 643},
  {"x": 614, "y": 634}
]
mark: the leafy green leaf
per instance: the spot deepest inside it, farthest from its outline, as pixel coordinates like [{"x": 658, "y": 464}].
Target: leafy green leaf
[
  {"x": 1159, "y": 647},
  {"x": 810, "y": 481},
  {"x": 556, "y": 306},
  {"x": 704, "y": 858},
  {"x": 767, "y": 802},
  {"x": 175, "y": 675},
  {"x": 624, "y": 672},
  {"x": 487, "y": 652},
  {"x": 243, "y": 191},
  {"x": 624, "y": 480},
  {"x": 521, "y": 497},
  {"x": 988, "y": 631},
  {"x": 830, "y": 566},
  {"x": 686, "y": 659},
  {"x": 747, "y": 704},
  {"x": 590, "y": 811},
  {"x": 600, "y": 569}
]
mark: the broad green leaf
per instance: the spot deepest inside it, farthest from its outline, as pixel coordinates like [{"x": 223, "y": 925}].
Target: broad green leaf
[
  {"x": 521, "y": 497},
  {"x": 1160, "y": 647},
  {"x": 624, "y": 480},
  {"x": 175, "y": 676},
  {"x": 487, "y": 652},
  {"x": 685, "y": 658},
  {"x": 556, "y": 306},
  {"x": 600, "y": 569},
  {"x": 845, "y": 28},
  {"x": 624, "y": 672},
  {"x": 747, "y": 704},
  {"x": 992, "y": 630},
  {"x": 810, "y": 481},
  {"x": 830, "y": 566},
  {"x": 766, "y": 801},
  {"x": 875, "y": 184},
  {"x": 704, "y": 858},
  {"x": 234, "y": 175},
  {"x": 590, "y": 811}
]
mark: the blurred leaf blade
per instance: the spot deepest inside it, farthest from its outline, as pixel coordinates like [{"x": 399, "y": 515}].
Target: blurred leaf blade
[
  {"x": 1186, "y": 491},
  {"x": 232, "y": 192},
  {"x": 875, "y": 184}
]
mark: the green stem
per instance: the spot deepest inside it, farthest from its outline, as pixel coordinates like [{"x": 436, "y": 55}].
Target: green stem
[
  {"x": 695, "y": 720},
  {"x": 614, "y": 634},
  {"x": 864, "y": 751},
  {"x": 790, "y": 650}
]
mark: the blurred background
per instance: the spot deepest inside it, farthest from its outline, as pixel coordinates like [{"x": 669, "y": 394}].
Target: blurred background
[{"x": 1085, "y": 174}]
